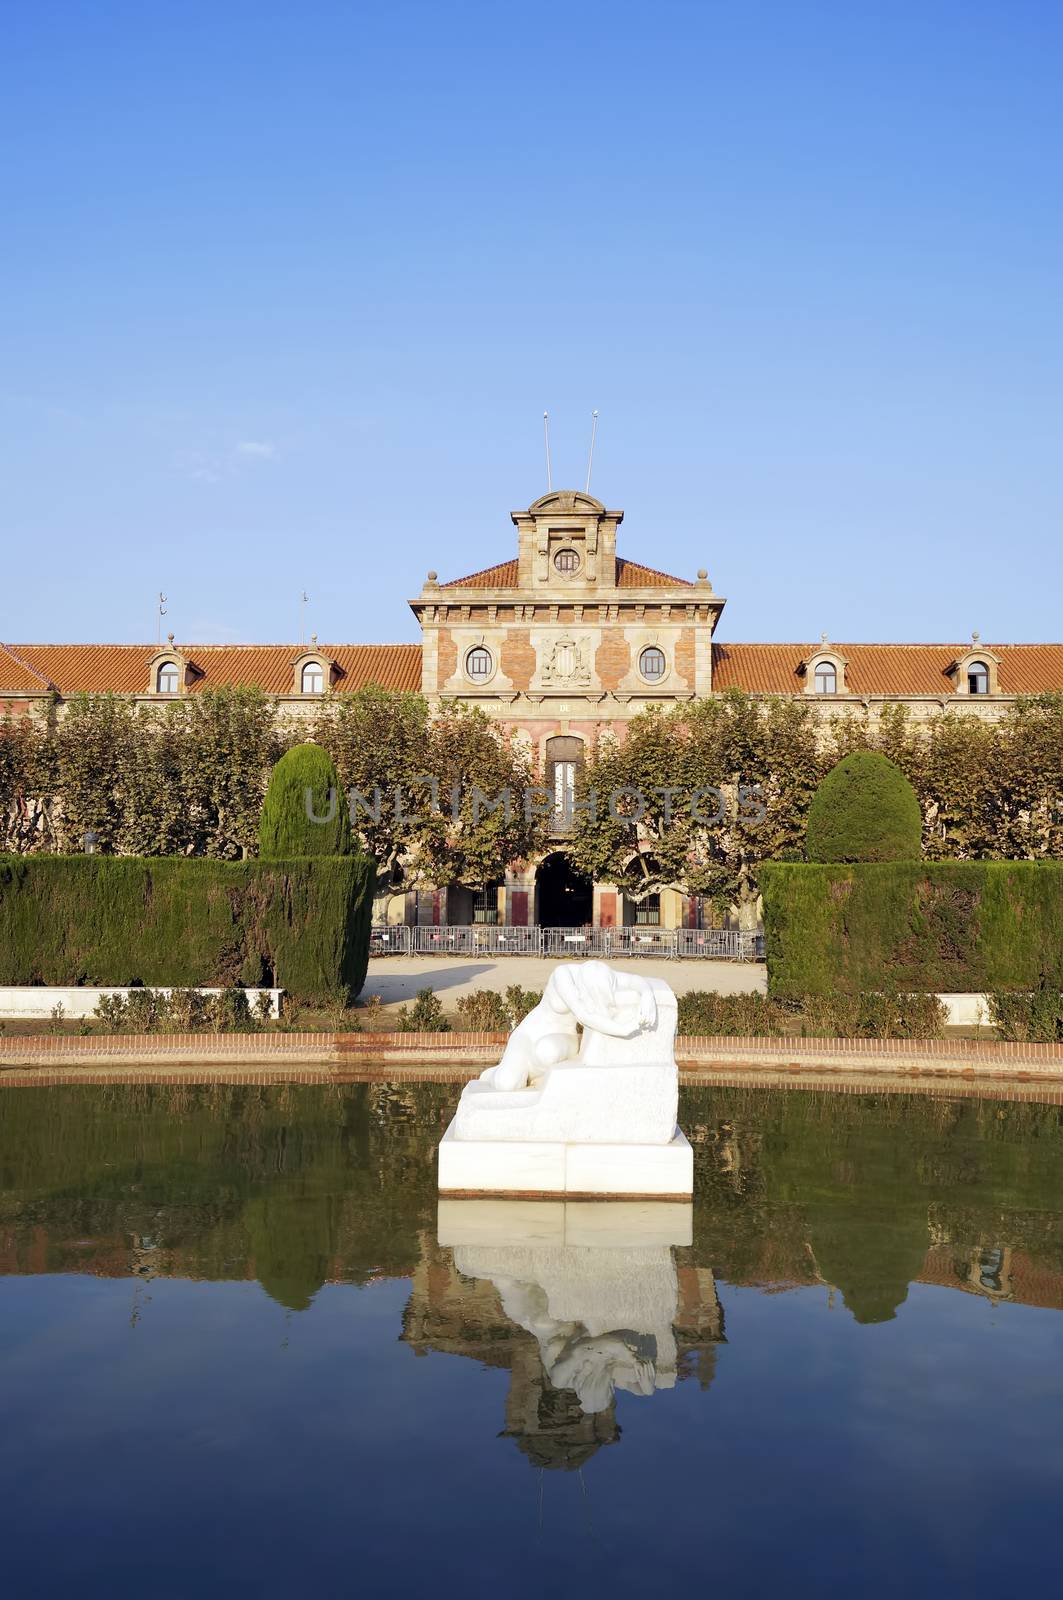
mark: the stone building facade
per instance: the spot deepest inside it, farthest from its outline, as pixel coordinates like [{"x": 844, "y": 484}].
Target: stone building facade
[{"x": 559, "y": 641}]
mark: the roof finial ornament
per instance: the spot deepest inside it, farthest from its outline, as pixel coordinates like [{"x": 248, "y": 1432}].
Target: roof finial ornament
[
  {"x": 313, "y": 640},
  {"x": 169, "y": 638},
  {"x": 975, "y": 636},
  {"x": 824, "y": 638}
]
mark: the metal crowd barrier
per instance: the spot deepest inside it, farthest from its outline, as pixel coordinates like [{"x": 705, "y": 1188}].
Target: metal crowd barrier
[
  {"x": 479, "y": 939},
  {"x": 642, "y": 941},
  {"x": 719, "y": 944},
  {"x": 389, "y": 941}
]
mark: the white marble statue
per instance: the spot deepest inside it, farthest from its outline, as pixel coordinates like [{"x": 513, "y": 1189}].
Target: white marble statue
[
  {"x": 615, "y": 1085},
  {"x": 588, "y": 994}
]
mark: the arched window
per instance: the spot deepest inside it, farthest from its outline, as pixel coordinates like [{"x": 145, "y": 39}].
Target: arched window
[
  {"x": 652, "y": 664},
  {"x": 313, "y": 678},
  {"x": 566, "y": 561},
  {"x": 167, "y": 678},
  {"x": 564, "y": 758},
  {"x": 826, "y": 678},
  {"x": 478, "y": 664},
  {"x": 977, "y": 678}
]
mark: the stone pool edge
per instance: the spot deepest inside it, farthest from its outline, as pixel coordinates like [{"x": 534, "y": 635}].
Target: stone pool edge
[{"x": 858, "y": 1064}]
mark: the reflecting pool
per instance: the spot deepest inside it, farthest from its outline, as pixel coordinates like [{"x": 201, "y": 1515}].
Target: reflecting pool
[{"x": 244, "y": 1350}]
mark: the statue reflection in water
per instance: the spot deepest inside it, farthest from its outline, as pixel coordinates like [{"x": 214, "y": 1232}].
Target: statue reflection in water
[{"x": 595, "y": 1285}]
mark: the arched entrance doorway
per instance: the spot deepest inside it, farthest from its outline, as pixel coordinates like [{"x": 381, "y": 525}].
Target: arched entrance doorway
[{"x": 566, "y": 897}]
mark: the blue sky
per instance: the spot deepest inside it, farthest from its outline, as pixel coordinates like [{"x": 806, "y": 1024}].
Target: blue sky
[{"x": 285, "y": 289}]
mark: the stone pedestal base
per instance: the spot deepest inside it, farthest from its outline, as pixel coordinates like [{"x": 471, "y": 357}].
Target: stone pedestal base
[{"x": 509, "y": 1166}]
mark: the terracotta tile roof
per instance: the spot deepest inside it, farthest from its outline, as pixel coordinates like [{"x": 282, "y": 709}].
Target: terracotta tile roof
[
  {"x": 123, "y": 668},
  {"x": 873, "y": 669},
  {"x": 633, "y": 575},
  {"x": 502, "y": 576},
  {"x": 884, "y": 669},
  {"x": 629, "y": 575},
  {"x": 17, "y": 674}
]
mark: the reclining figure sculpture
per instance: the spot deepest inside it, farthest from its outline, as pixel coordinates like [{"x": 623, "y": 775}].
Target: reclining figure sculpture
[{"x": 618, "y": 1084}]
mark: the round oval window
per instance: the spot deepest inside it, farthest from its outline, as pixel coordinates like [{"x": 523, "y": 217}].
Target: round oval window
[
  {"x": 652, "y": 664},
  {"x": 478, "y": 664},
  {"x": 566, "y": 561}
]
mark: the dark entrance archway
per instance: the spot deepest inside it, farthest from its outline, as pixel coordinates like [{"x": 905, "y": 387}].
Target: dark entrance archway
[{"x": 566, "y": 897}]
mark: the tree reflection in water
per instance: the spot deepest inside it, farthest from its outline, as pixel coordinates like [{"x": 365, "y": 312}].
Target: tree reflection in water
[{"x": 299, "y": 1186}]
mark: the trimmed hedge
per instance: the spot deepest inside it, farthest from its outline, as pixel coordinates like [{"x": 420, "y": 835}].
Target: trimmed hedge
[
  {"x": 165, "y": 921},
  {"x": 864, "y": 810},
  {"x": 943, "y": 927}
]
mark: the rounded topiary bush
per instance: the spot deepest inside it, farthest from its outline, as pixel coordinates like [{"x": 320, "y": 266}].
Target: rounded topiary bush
[
  {"x": 304, "y": 781},
  {"x": 864, "y": 810}
]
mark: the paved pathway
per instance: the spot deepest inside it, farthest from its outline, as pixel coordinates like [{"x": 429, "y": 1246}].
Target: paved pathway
[{"x": 398, "y": 978}]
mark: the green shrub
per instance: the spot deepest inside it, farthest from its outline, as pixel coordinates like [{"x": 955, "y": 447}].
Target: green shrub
[
  {"x": 483, "y": 1012},
  {"x": 889, "y": 1015},
  {"x": 229, "y": 1012},
  {"x": 1035, "y": 1018},
  {"x": 864, "y": 810},
  {"x": 263, "y": 1007},
  {"x": 111, "y": 1011},
  {"x": 372, "y": 1006},
  {"x": 304, "y": 781},
  {"x": 519, "y": 1002},
  {"x": 179, "y": 1011},
  {"x": 187, "y": 1010},
  {"x": 866, "y": 1016},
  {"x": 144, "y": 1010},
  {"x": 183, "y": 923},
  {"x": 909, "y": 927},
  {"x": 705, "y": 1013},
  {"x": 488, "y": 1012},
  {"x": 425, "y": 1015}
]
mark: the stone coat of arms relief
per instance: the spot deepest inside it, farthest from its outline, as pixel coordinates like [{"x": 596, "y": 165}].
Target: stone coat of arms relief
[{"x": 566, "y": 663}]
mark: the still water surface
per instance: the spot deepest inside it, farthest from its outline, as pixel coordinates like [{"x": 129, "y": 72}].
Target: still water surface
[{"x": 242, "y": 1353}]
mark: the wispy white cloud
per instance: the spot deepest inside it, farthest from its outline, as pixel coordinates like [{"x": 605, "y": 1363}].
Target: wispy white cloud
[{"x": 256, "y": 447}]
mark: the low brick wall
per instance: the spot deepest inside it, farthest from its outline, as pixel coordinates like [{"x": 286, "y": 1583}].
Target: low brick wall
[
  {"x": 462, "y": 1055},
  {"x": 983, "y": 1057},
  {"x": 269, "y": 1050}
]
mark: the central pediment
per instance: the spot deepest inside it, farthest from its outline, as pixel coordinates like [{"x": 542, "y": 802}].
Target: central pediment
[{"x": 566, "y": 501}]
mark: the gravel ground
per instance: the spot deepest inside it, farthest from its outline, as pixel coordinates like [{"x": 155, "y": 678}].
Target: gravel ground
[{"x": 397, "y": 978}]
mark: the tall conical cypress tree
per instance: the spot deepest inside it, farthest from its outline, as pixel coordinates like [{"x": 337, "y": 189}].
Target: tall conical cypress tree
[{"x": 304, "y": 786}]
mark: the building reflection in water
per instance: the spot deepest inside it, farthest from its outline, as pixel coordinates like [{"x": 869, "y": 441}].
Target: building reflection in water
[{"x": 577, "y": 1299}]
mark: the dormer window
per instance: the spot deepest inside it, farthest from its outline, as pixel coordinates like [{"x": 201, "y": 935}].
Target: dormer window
[
  {"x": 977, "y": 677},
  {"x": 566, "y": 561},
  {"x": 824, "y": 670},
  {"x": 313, "y": 672},
  {"x": 167, "y": 679},
  {"x": 976, "y": 671}
]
